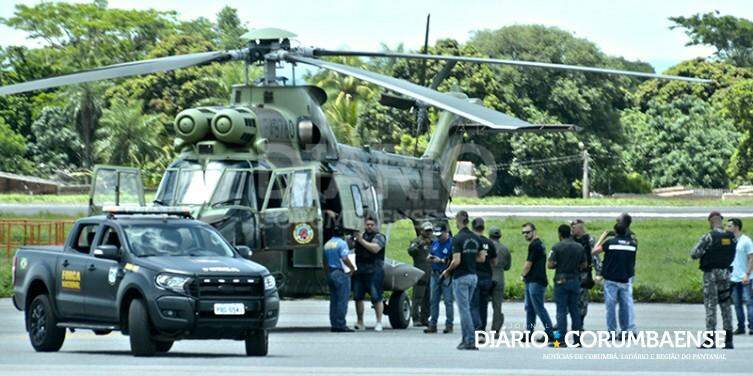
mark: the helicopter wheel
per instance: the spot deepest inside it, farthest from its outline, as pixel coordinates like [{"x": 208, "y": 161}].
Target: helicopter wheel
[{"x": 399, "y": 310}]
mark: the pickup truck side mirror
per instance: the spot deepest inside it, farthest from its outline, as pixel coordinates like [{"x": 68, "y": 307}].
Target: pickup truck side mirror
[
  {"x": 245, "y": 252},
  {"x": 109, "y": 252}
]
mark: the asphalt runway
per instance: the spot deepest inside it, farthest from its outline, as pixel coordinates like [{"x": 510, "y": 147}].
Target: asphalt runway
[{"x": 303, "y": 345}]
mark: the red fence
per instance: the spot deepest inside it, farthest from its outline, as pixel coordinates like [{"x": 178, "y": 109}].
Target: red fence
[{"x": 15, "y": 233}]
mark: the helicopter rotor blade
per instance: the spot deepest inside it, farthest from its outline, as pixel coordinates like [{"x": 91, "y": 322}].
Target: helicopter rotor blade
[
  {"x": 322, "y": 52},
  {"x": 133, "y": 68},
  {"x": 471, "y": 111}
]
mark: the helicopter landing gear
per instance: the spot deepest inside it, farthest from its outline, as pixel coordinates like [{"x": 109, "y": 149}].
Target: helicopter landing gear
[{"x": 398, "y": 309}]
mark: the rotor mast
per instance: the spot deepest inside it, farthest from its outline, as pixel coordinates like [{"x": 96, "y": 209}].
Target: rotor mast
[{"x": 265, "y": 45}]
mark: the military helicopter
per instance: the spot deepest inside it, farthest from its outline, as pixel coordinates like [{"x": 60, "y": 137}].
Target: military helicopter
[{"x": 266, "y": 169}]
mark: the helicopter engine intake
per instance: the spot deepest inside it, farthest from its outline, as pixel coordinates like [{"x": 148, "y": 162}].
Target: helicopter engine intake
[{"x": 234, "y": 126}]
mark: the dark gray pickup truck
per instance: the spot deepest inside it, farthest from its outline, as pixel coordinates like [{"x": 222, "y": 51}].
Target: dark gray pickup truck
[{"x": 157, "y": 277}]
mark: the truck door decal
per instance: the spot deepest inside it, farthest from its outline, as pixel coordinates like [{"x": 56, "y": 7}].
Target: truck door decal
[{"x": 70, "y": 280}]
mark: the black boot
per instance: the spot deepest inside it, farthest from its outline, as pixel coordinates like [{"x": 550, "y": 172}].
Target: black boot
[
  {"x": 728, "y": 339},
  {"x": 709, "y": 343}
]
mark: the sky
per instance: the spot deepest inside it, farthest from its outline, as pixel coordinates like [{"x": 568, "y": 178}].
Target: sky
[{"x": 637, "y": 30}]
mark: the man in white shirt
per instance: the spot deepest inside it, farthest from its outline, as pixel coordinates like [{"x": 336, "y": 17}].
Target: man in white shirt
[{"x": 742, "y": 266}]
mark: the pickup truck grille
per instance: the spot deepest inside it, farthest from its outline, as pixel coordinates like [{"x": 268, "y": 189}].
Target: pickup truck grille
[{"x": 227, "y": 287}]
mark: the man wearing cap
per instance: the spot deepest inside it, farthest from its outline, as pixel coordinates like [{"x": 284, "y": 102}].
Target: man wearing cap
[
  {"x": 716, "y": 251},
  {"x": 618, "y": 270},
  {"x": 419, "y": 250},
  {"x": 504, "y": 261},
  {"x": 483, "y": 293},
  {"x": 440, "y": 288}
]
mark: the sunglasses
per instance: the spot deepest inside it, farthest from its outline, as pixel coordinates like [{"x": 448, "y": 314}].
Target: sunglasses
[{"x": 525, "y": 232}]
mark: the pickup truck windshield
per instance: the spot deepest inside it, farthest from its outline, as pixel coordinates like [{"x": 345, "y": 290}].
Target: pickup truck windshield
[{"x": 169, "y": 240}]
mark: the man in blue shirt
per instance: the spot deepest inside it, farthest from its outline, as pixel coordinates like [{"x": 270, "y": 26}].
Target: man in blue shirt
[
  {"x": 440, "y": 288},
  {"x": 742, "y": 268},
  {"x": 335, "y": 259}
]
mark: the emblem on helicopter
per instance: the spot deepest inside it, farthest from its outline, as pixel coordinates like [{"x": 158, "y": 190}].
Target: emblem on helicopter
[{"x": 303, "y": 233}]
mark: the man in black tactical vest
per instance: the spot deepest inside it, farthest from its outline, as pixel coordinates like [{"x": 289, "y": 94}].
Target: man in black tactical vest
[
  {"x": 716, "y": 250},
  {"x": 369, "y": 273}
]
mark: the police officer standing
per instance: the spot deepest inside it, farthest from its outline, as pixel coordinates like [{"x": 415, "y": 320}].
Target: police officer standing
[
  {"x": 618, "y": 271},
  {"x": 568, "y": 259},
  {"x": 338, "y": 268},
  {"x": 483, "y": 293},
  {"x": 466, "y": 252},
  {"x": 716, "y": 250},
  {"x": 504, "y": 261},
  {"x": 419, "y": 251}
]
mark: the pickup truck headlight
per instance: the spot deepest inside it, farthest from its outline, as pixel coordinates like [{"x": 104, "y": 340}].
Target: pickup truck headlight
[
  {"x": 172, "y": 282},
  {"x": 269, "y": 282}
]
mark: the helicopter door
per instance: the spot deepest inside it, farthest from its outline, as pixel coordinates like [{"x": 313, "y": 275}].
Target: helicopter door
[
  {"x": 354, "y": 200},
  {"x": 290, "y": 216},
  {"x": 115, "y": 185}
]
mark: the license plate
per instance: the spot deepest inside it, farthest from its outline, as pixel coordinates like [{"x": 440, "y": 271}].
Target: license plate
[{"x": 229, "y": 309}]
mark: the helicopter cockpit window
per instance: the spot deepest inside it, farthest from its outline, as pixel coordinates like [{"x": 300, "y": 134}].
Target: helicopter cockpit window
[
  {"x": 278, "y": 192},
  {"x": 166, "y": 188},
  {"x": 301, "y": 190},
  {"x": 357, "y": 200},
  {"x": 192, "y": 186},
  {"x": 234, "y": 188}
]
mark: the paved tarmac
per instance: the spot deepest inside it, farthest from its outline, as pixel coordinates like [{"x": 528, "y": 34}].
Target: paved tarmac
[{"x": 303, "y": 345}]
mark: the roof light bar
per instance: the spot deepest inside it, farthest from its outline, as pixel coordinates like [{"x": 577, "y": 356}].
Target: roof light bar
[{"x": 180, "y": 211}]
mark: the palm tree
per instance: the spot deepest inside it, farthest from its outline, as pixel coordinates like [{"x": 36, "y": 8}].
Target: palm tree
[
  {"x": 127, "y": 136},
  {"x": 84, "y": 104}
]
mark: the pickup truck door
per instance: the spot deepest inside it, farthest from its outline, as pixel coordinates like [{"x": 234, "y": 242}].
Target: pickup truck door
[
  {"x": 101, "y": 279},
  {"x": 291, "y": 216},
  {"x": 115, "y": 185},
  {"x": 70, "y": 272}
]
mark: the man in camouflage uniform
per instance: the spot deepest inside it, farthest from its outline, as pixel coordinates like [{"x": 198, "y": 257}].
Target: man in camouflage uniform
[
  {"x": 716, "y": 250},
  {"x": 578, "y": 230},
  {"x": 419, "y": 250},
  {"x": 498, "y": 277}
]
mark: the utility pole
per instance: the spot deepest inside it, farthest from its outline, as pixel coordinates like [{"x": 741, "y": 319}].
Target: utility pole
[{"x": 586, "y": 182}]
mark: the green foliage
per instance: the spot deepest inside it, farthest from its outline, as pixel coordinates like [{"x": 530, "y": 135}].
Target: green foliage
[
  {"x": 115, "y": 143},
  {"x": 737, "y": 104},
  {"x": 229, "y": 29},
  {"x": 58, "y": 145},
  {"x": 12, "y": 149},
  {"x": 731, "y": 36},
  {"x": 707, "y": 140}
]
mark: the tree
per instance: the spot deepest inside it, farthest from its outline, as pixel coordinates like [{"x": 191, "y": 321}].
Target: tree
[
  {"x": 58, "y": 145},
  {"x": 731, "y": 36},
  {"x": 116, "y": 143},
  {"x": 12, "y": 149},
  {"x": 229, "y": 29},
  {"x": 683, "y": 142},
  {"x": 737, "y": 105}
]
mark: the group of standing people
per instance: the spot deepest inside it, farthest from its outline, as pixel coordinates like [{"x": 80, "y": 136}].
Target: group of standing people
[
  {"x": 367, "y": 275},
  {"x": 725, "y": 256},
  {"x": 468, "y": 269}
]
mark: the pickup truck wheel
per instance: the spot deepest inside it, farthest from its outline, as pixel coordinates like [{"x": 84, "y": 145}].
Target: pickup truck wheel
[
  {"x": 139, "y": 330},
  {"x": 257, "y": 343},
  {"x": 44, "y": 333},
  {"x": 163, "y": 346}
]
